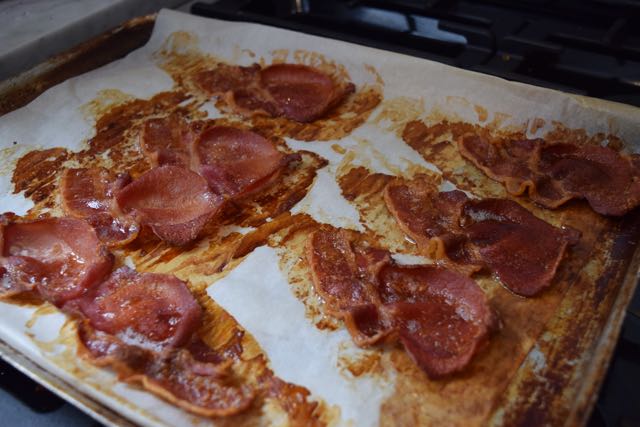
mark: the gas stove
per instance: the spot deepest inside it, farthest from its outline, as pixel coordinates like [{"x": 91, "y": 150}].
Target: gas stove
[{"x": 588, "y": 47}]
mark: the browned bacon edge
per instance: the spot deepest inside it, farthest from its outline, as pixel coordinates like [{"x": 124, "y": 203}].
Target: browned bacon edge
[
  {"x": 251, "y": 91},
  {"x": 552, "y": 174},
  {"x": 471, "y": 235},
  {"x": 380, "y": 301}
]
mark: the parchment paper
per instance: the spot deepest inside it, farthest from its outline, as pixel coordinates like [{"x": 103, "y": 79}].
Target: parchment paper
[{"x": 297, "y": 350}]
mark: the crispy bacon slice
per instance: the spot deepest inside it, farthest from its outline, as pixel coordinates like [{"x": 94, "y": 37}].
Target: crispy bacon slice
[
  {"x": 440, "y": 316},
  {"x": 554, "y": 173},
  {"x": 88, "y": 193},
  {"x": 297, "y": 92},
  {"x": 303, "y": 93},
  {"x": 492, "y": 233},
  {"x": 236, "y": 162},
  {"x": 168, "y": 141},
  {"x": 60, "y": 258},
  {"x": 344, "y": 277},
  {"x": 154, "y": 311},
  {"x": 340, "y": 274},
  {"x": 202, "y": 387},
  {"x": 175, "y": 202},
  {"x": 422, "y": 212},
  {"x": 501, "y": 232}
]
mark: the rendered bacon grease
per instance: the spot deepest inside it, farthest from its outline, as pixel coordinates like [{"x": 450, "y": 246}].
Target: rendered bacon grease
[
  {"x": 442, "y": 318},
  {"x": 498, "y": 234},
  {"x": 143, "y": 325},
  {"x": 297, "y": 92},
  {"x": 554, "y": 173}
]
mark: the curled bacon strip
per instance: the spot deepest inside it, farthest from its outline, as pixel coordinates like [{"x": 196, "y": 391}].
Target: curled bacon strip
[
  {"x": 554, "y": 173},
  {"x": 60, "y": 258},
  {"x": 202, "y": 387},
  {"x": 175, "y": 202},
  {"x": 150, "y": 310},
  {"x": 144, "y": 326},
  {"x": 441, "y": 317},
  {"x": 303, "y": 93},
  {"x": 498, "y": 234},
  {"x": 297, "y": 92},
  {"x": 237, "y": 162},
  {"x": 88, "y": 193}
]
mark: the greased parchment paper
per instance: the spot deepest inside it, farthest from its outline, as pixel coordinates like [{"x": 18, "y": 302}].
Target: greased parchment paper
[{"x": 256, "y": 293}]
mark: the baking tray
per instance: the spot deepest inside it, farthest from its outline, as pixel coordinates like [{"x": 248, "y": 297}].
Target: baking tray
[{"x": 555, "y": 394}]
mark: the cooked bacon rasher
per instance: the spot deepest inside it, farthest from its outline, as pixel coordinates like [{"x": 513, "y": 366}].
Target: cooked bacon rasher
[
  {"x": 175, "y": 202},
  {"x": 554, "y": 173},
  {"x": 59, "y": 259},
  {"x": 297, "y": 92},
  {"x": 441, "y": 317},
  {"x": 235, "y": 162},
  {"x": 88, "y": 193},
  {"x": 497, "y": 234}
]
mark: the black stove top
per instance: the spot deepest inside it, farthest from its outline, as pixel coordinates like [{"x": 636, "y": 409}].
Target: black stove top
[{"x": 589, "y": 47}]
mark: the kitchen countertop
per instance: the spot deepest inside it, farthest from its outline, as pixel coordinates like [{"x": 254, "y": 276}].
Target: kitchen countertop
[{"x": 33, "y": 30}]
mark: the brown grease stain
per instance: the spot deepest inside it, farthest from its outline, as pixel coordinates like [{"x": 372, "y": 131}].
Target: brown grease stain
[
  {"x": 294, "y": 264},
  {"x": 368, "y": 363},
  {"x": 536, "y": 124},
  {"x": 481, "y": 112},
  {"x": 561, "y": 133},
  {"x": 338, "y": 149},
  {"x": 6, "y": 154},
  {"x": 36, "y": 173},
  {"x": 396, "y": 112}
]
